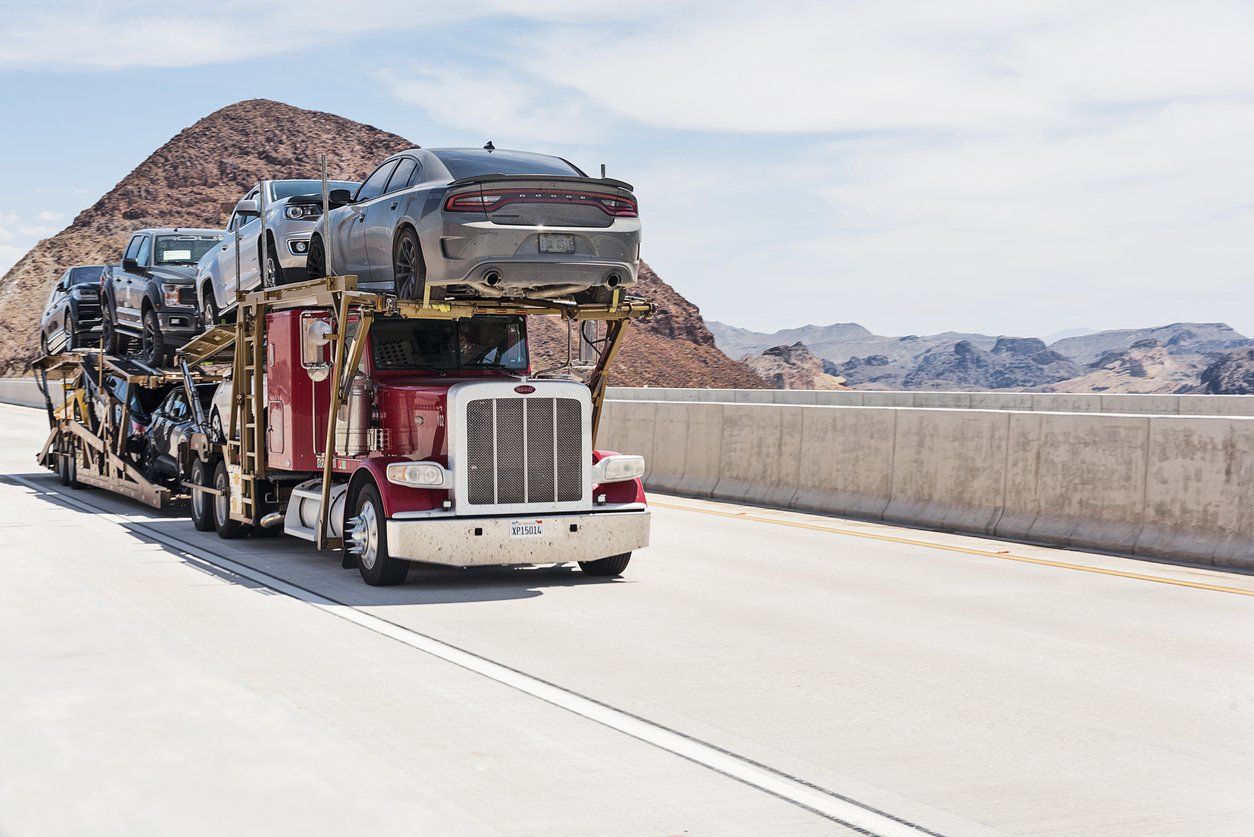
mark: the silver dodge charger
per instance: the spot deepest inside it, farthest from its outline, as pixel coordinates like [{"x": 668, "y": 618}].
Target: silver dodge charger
[{"x": 481, "y": 222}]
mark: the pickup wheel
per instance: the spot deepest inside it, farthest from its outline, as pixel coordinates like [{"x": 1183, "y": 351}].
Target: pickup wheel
[
  {"x": 209, "y": 310},
  {"x": 612, "y": 566},
  {"x": 152, "y": 346},
  {"x": 367, "y": 538},
  {"x": 112, "y": 342},
  {"x": 272, "y": 276},
  {"x": 202, "y": 502},
  {"x": 228, "y": 529}
]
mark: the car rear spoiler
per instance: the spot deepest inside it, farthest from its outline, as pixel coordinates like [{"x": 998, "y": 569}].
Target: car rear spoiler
[{"x": 538, "y": 178}]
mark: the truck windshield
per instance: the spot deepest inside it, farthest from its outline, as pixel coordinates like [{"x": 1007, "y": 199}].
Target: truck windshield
[
  {"x": 280, "y": 189},
  {"x": 183, "y": 249},
  {"x": 484, "y": 342}
]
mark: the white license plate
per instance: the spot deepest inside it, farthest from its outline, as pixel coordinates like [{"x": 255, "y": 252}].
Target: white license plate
[
  {"x": 556, "y": 243},
  {"x": 526, "y": 528}
]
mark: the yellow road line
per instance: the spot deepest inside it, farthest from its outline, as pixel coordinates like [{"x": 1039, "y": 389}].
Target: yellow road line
[{"x": 984, "y": 553}]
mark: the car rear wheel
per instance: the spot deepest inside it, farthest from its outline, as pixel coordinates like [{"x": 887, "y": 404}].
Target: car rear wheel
[
  {"x": 409, "y": 271},
  {"x": 228, "y": 529},
  {"x": 202, "y": 501},
  {"x": 71, "y": 333},
  {"x": 316, "y": 261},
  {"x": 366, "y": 536},
  {"x": 612, "y": 566},
  {"x": 152, "y": 345}
]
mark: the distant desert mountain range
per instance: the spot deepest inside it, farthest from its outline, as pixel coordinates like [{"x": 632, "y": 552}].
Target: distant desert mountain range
[
  {"x": 215, "y": 161},
  {"x": 1182, "y": 357}
]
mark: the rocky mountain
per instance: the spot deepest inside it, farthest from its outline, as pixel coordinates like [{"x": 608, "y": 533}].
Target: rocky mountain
[
  {"x": 793, "y": 367},
  {"x": 186, "y": 181},
  {"x": 1229, "y": 374},
  {"x": 1146, "y": 366},
  {"x": 1177, "y": 339},
  {"x": 1011, "y": 362},
  {"x": 1163, "y": 359},
  {"x": 839, "y": 342}
]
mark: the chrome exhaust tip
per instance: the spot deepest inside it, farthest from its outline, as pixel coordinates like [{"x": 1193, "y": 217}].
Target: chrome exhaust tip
[
  {"x": 492, "y": 278},
  {"x": 270, "y": 520},
  {"x": 613, "y": 280}
]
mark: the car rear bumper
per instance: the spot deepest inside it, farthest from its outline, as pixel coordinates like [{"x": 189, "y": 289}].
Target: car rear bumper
[
  {"x": 468, "y": 252},
  {"x": 480, "y": 541}
]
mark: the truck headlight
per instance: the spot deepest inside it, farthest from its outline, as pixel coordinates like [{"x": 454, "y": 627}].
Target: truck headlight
[
  {"x": 170, "y": 294},
  {"x": 419, "y": 474},
  {"x": 618, "y": 469},
  {"x": 300, "y": 211}
]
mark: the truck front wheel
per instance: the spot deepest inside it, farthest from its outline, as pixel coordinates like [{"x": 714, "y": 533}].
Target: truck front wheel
[
  {"x": 227, "y": 528},
  {"x": 366, "y": 536},
  {"x": 612, "y": 566}
]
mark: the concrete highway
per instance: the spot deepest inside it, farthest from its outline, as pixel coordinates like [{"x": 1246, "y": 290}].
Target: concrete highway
[{"x": 756, "y": 672}]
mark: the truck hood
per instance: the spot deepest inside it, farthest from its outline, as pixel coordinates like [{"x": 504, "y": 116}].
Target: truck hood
[{"x": 173, "y": 274}]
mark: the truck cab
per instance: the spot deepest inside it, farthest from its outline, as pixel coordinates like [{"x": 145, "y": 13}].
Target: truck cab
[{"x": 447, "y": 450}]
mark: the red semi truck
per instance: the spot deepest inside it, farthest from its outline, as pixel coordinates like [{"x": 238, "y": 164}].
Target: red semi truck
[{"x": 403, "y": 432}]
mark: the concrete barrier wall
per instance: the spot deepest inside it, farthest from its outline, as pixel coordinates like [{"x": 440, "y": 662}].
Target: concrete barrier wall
[
  {"x": 21, "y": 391},
  {"x": 1052, "y": 402},
  {"x": 1170, "y": 487}
]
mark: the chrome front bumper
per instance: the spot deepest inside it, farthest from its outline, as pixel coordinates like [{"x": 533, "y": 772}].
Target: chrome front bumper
[{"x": 479, "y": 541}]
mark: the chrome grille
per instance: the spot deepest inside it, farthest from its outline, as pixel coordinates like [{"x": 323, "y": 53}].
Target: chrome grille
[{"x": 524, "y": 450}]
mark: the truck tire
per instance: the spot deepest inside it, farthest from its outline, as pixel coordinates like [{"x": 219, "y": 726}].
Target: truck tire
[
  {"x": 63, "y": 465},
  {"x": 202, "y": 502},
  {"x": 111, "y": 341},
  {"x": 152, "y": 347},
  {"x": 228, "y": 529},
  {"x": 272, "y": 272},
  {"x": 71, "y": 467},
  {"x": 611, "y": 567},
  {"x": 370, "y": 535}
]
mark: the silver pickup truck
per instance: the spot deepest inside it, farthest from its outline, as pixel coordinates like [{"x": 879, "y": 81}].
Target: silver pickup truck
[{"x": 292, "y": 208}]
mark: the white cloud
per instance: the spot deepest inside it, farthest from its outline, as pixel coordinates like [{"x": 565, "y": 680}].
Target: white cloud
[
  {"x": 497, "y": 105},
  {"x": 18, "y": 235}
]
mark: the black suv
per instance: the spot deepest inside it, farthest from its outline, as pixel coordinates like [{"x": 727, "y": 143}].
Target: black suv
[
  {"x": 73, "y": 309},
  {"x": 150, "y": 298}
]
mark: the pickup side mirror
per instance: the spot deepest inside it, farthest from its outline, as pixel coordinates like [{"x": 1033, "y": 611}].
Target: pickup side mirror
[
  {"x": 131, "y": 266},
  {"x": 340, "y": 196},
  {"x": 247, "y": 207}
]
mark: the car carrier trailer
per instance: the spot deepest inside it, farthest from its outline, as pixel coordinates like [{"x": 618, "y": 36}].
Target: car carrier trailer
[{"x": 89, "y": 423}]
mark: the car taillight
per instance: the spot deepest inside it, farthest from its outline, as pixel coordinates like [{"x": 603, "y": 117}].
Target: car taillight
[{"x": 489, "y": 200}]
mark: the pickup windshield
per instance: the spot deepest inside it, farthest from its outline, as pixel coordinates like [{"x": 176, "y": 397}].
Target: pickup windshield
[
  {"x": 483, "y": 342},
  {"x": 281, "y": 189},
  {"x": 183, "y": 249}
]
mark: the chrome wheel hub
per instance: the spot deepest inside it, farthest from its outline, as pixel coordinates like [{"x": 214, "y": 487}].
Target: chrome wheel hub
[{"x": 363, "y": 535}]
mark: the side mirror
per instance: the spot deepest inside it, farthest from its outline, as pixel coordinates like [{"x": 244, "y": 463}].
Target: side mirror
[
  {"x": 61, "y": 285},
  {"x": 131, "y": 265},
  {"x": 340, "y": 196},
  {"x": 247, "y": 206}
]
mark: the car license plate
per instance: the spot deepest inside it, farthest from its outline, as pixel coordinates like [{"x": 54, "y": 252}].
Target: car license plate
[
  {"x": 526, "y": 528},
  {"x": 556, "y": 243}
]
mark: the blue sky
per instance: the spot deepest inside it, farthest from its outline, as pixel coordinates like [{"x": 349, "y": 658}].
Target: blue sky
[{"x": 915, "y": 167}]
